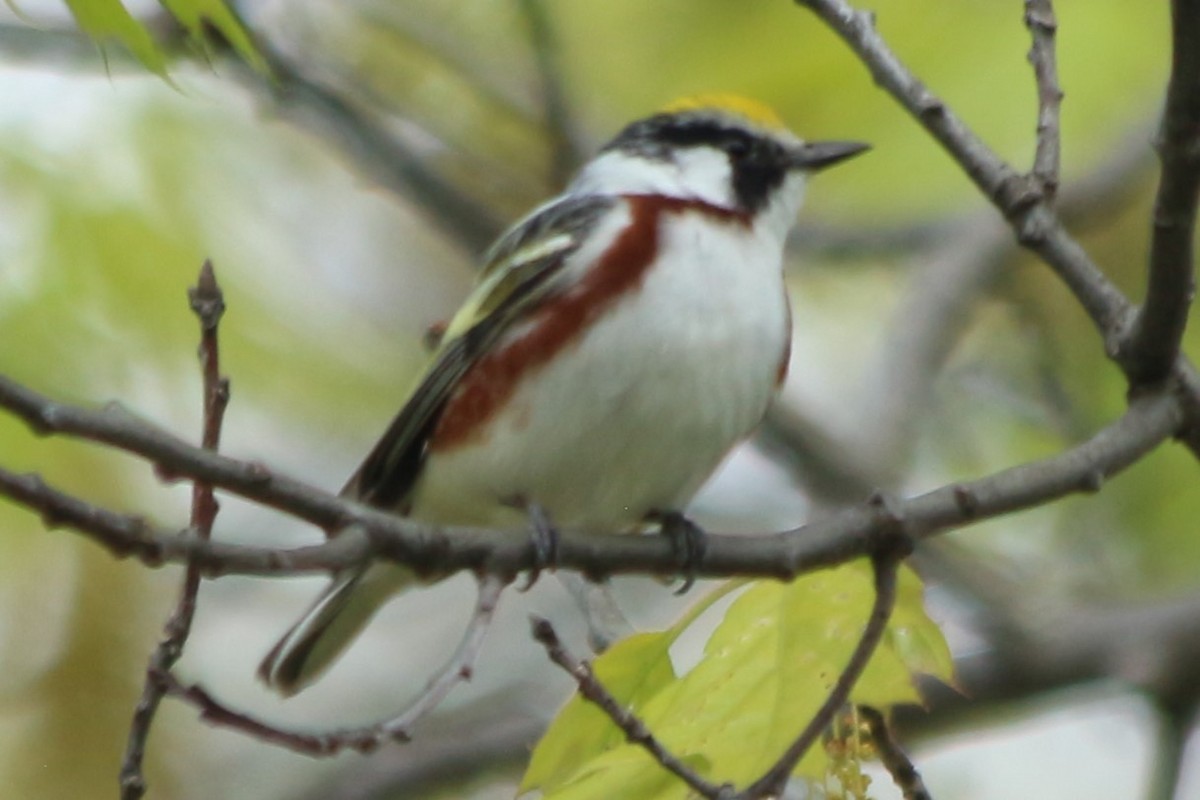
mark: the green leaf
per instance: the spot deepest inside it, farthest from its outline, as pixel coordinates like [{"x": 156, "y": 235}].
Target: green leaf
[
  {"x": 103, "y": 20},
  {"x": 913, "y": 637},
  {"x": 766, "y": 669},
  {"x": 633, "y": 670},
  {"x": 194, "y": 15},
  {"x": 626, "y": 771}
]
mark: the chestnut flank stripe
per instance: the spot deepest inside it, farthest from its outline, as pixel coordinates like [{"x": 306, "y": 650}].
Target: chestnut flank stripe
[{"x": 491, "y": 381}]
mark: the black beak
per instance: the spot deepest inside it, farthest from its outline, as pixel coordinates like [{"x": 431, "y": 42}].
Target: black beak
[{"x": 813, "y": 156}]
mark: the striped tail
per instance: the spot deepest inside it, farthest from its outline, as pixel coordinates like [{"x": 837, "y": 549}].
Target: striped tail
[{"x": 314, "y": 643}]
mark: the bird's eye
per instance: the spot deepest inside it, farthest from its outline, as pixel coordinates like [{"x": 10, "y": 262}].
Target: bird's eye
[{"x": 738, "y": 147}]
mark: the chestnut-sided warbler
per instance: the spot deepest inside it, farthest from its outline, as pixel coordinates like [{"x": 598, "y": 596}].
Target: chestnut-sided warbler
[{"x": 621, "y": 339}]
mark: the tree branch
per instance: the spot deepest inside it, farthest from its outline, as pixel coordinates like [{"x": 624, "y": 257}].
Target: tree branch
[
  {"x": 433, "y": 550},
  {"x": 208, "y": 303},
  {"x": 1040, "y": 19},
  {"x": 1017, "y": 197},
  {"x": 368, "y": 738},
  {"x": 1154, "y": 342},
  {"x": 893, "y": 758}
]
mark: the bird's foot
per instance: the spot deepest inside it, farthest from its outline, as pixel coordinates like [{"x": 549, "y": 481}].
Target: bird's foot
[
  {"x": 544, "y": 538},
  {"x": 687, "y": 540}
]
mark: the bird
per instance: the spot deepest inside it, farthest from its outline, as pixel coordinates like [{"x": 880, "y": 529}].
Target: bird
[{"x": 621, "y": 339}]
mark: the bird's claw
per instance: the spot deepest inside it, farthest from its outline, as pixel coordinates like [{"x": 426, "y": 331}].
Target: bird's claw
[
  {"x": 544, "y": 537},
  {"x": 687, "y": 540}
]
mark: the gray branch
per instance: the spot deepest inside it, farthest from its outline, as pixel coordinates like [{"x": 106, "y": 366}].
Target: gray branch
[
  {"x": 434, "y": 550},
  {"x": 1154, "y": 343},
  {"x": 1018, "y": 197}
]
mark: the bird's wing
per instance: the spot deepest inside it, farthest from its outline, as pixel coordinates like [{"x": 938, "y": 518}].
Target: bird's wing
[{"x": 521, "y": 269}]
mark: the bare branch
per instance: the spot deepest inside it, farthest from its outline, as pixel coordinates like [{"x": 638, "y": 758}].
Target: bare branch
[
  {"x": 433, "y": 550},
  {"x": 483, "y": 738},
  {"x": 208, "y": 303},
  {"x": 461, "y": 665},
  {"x": 1040, "y": 19},
  {"x": 131, "y": 536},
  {"x": 368, "y": 738},
  {"x": 1011, "y": 193},
  {"x": 893, "y": 758},
  {"x": 1020, "y": 200},
  {"x": 1154, "y": 344},
  {"x": 173, "y": 458},
  {"x": 215, "y": 712},
  {"x": 592, "y": 690}
]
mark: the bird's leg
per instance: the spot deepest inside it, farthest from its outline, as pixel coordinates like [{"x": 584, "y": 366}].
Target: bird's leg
[
  {"x": 687, "y": 540},
  {"x": 544, "y": 537}
]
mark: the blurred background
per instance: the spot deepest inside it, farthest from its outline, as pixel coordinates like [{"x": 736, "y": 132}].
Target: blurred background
[{"x": 344, "y": 203}]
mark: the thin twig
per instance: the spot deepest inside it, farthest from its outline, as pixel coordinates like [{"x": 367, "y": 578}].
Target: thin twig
[
  {"x": 885, "y": 564},
  {"x": 461, "y": 665},
  {"x": 636, "y": 731},
  {"x": 1154, "y": 343},
  {"x": 892, "y": 756},
  {"x": 492, "y": 735},
  {"x": 1014, "y": 195},
  {"x": 1009, "y": 191},
  {"x": 1042, "y": 24},
  {"x": 208, "y": 303},
  {"x": 835, "y": 539},
  {"x": 368, "y": 738},
  {"x": 217, "y": 713}
]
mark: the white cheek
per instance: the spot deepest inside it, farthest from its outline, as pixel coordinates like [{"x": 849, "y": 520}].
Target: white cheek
[
  {"x": 700, "y": 173},
  {"x": 705, "y": 173}
]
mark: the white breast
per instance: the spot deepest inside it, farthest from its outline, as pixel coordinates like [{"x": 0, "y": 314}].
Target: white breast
[{"x": 635, "y": 415}]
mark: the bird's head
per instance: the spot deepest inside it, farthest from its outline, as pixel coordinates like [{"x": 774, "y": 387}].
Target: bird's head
[{"x": 723, "y": 149}]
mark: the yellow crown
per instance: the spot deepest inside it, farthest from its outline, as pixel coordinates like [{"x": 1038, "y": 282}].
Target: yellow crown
[{"x": 752, "y": 110}]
